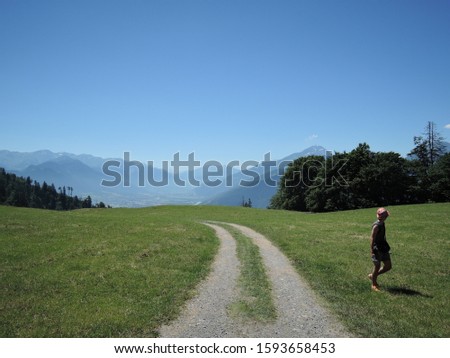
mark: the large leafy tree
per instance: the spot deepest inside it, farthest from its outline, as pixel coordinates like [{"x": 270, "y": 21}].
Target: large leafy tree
[
  {"x": 366, "y": 179},
  {"x": 299, "y": 176},
  {"x": 352, "y": 180}
]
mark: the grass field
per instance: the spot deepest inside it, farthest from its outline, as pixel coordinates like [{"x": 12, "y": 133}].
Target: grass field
[
  {"x": 97, "y": 273},
  {"x": 123, "y": 272}
]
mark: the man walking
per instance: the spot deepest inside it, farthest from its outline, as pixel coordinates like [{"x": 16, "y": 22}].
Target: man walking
[{"x": 379, "y": 248}]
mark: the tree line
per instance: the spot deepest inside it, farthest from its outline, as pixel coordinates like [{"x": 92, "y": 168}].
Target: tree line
[
  {"x": 363, "y": 178},
  {"x": 24, "y": 192}
]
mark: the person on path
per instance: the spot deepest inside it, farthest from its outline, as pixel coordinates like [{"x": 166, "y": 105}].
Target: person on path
[{"x": 379, "y": 248}]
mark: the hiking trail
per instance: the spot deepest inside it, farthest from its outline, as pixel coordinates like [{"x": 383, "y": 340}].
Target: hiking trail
[{"x": 300, "y": 312}]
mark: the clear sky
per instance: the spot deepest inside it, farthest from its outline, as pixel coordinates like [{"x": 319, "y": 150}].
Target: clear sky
[{"x": 228, "y": 80}]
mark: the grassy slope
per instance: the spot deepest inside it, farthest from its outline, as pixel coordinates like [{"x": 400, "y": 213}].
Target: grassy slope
[
  {"x": 97, "y": 272},
  {"x": 122, "y": 272}
]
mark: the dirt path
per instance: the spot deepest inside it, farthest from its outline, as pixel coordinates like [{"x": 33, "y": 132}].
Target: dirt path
[
  {"x": 299, "y": 311},
  {"x": 205, "y": 316}
]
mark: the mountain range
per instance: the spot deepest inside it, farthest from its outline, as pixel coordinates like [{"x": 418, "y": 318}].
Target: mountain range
[
  {"x": 86, "y": 174},
  {"x": 104, "y": 179}
]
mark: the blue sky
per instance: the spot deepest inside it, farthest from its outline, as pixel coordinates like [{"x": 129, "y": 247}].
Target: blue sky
[{"x": 228, "y": 80}]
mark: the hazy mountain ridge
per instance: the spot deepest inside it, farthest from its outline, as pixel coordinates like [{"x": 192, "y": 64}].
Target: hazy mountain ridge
[
  {"x": 64, "y": 171},
  {"x": 85, "y": 174},
  {"x": 17, "y": 161},
  {"x": 261, "y": 193}
]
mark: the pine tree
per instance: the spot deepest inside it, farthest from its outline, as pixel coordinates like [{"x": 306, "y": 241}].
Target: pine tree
[{"x": 429, "y": 147}]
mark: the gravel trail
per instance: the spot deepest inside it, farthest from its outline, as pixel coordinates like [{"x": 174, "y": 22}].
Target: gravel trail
[
  {"x": 299, "y": 312},
  {"x": 205, "y": 316}
]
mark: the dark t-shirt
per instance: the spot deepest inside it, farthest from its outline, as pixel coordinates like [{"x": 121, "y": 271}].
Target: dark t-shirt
[{"x": 380, "y": 243}]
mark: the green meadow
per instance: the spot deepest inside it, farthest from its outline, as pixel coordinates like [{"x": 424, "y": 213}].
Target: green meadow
[{"x": 124, "y": 272}]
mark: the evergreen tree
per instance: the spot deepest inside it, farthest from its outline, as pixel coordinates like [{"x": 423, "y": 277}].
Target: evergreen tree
[
  {"x": 18, "y": 191},
  {"x": 426, "y": 153},
  {"x": 429, "y": 147}
]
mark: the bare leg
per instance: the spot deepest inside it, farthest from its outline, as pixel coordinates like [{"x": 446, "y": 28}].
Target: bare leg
[
  {"x": 373, "y": 276},
  {"x": 387, "y": 265}
]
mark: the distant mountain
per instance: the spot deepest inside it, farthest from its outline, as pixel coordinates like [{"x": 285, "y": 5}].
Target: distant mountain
[
  {"x": 314, "y": 150},
  {"x": 16, "y": 161},
  {"x": 65, "y": 171},
  {"x": 85, "y": 174},
  {"x": 260, "y": 196},
  {"x": 266, "y": 186}
]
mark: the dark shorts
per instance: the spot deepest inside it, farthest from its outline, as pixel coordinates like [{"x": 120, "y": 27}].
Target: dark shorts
[{"x": 378, "y": 257}]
